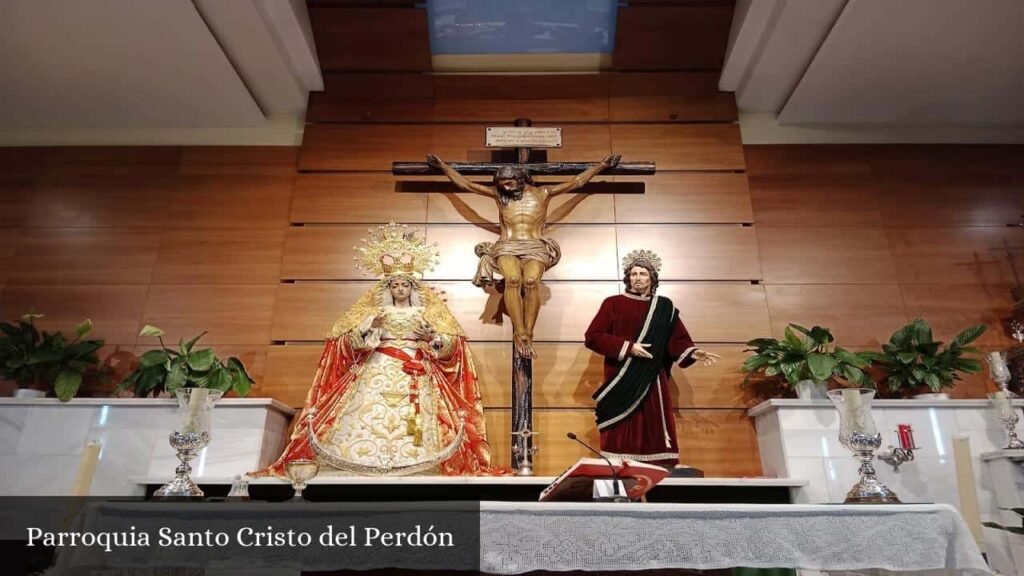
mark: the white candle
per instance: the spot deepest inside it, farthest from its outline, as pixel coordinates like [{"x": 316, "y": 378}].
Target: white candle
[
  {"x": 965, "y": 485},
  {"x": 851, "y": 397},
  {"x": 86, "y": 469},
  {"x": 196, "y": 401},
  {"x": 1002, "y": 402},
  {"x": 1000, "y": 370}
]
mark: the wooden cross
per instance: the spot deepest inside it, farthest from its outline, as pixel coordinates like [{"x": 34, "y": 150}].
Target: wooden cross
[{"x": 523, "y": 139}]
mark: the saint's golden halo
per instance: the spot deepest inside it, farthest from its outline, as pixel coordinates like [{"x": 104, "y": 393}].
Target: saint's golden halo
[
  {"x": 394, "y": 250},
  {"x": 641, "y": 257}
]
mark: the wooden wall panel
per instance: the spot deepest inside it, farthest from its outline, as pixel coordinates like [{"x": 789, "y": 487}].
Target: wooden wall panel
[
  {"x": 325, "y": 252},
  {"x": 354, "y": 198},
  {"x": 8, "y": 244},
  {"x": 720, "y": 443},
  {"x": 289, "y": 372},
  {"x": 541, "y": 98},
  {"x": 455, "y": 244},
  {"x": 230, "y": 202},
  {"x": 116, "y": 311},
  {"x": 583, "y": 143},
  {"x": 681, "y": 146},
  {"x": 696, "y": 252},
  {"x": 671, "y": 37},
  {"x": 679, "y": 197},
  {"x": 308, "y": 310},
  {"x": 83, "y": 256},
  {"x": 232, "y": 314},
  {"x": 206, "y": 256},
  {"x": 500, "y": 98},
  {"x": 378, "y": 38},
  {"x": 859, "y": 315},
  {"x": 720, "y": 311},
  {"x": 811, "y": 161},
  {"x": 826, "y": 255},
  {"x": 89, "y": 201},
  {"x": 363, "y": 147},
  {"x": 110, "y": 160},
  {"x": 16, "y": 196},
  {"x": 669, "y": 97},
  {"x": 568, "y": 309},
  {"x": 950, "y": 200},
  {"x": 399, "y": 97},
  {"x": 950, "y": 309},
  {"x": 814, "y": 199},
  {"x": 954, "y": 255},
  {"x": 243, "y": 160}
]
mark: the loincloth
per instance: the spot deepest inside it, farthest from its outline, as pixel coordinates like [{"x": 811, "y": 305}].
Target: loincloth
[{"x": 543, "y": 250}]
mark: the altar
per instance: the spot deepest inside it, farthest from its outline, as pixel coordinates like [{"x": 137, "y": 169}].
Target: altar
[{"x": 516, "y": 538}]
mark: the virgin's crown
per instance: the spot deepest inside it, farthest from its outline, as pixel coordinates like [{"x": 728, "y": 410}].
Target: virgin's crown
[{"x": 393, "y": 249}]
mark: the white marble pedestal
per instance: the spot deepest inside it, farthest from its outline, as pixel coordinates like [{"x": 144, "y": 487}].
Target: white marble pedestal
[
  {"x": 41, "y": 441},
  {"x": 1005, "y": 472},
  {"x": 799, "y": 439}
]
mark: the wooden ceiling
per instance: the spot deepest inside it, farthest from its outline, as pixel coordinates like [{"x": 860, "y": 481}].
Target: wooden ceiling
[{"x": 353, "y": 36}]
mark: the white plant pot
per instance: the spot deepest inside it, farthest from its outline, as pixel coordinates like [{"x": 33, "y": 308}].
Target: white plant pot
[
  {"x": 932, "y": 396},
  {"x": 29, "y": 393},
  {"x": 811, "y": 390}
]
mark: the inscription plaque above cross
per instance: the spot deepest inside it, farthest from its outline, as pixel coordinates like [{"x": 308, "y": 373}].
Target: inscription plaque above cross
[{"x": 517, "y": 260}]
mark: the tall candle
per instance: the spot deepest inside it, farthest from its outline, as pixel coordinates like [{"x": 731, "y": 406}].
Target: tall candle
[
  {"x": 86, "y": 469},
  {"x": 965, "y": 485},
  {"x": 196, "y": 402},
  {"x": 999, "y": 369}
]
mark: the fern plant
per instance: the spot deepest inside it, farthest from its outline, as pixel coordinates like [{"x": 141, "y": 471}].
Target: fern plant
[{"x": 912, "y": 359}]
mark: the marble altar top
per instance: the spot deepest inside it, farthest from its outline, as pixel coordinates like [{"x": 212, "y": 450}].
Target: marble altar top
[
  {"x": 147, "y": 402},
  {"x": 776, "y": 403}
]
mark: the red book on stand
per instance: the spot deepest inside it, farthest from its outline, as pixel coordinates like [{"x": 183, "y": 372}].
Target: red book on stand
[{"x": 576, "y": 483}]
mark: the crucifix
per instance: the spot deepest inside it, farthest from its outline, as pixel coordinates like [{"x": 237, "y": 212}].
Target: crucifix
[{"x": 516, "y": 262}]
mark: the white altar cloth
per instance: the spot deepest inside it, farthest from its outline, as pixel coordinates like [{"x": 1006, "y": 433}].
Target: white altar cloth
[
  {"x": 518, "y": 537},
  {"x": 923, "y": 539}
]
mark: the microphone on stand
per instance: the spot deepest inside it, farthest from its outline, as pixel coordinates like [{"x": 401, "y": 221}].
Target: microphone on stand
[{"x": 616, "y": 496}]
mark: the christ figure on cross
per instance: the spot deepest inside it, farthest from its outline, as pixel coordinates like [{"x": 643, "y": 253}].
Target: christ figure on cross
[{"x": 522, "y": 253}]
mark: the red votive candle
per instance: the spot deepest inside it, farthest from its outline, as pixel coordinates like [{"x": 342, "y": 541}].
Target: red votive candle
[{"x": 906, "y": 437}]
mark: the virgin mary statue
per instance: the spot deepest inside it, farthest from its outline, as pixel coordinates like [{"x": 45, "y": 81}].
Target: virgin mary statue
[{"x": 395, "y": 391}]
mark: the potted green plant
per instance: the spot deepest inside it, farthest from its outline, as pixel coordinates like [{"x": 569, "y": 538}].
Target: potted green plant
[
  {"x": 40, "y": 362},
  {"x": 807, "y": 362},
  {"x": 913, "y": 361},
  {"x": 169, "y": 369}
]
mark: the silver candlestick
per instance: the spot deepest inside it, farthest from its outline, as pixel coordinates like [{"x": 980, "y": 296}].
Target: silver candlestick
[
  {"x": 526, "y": 464},
  {"x": 857, "y": 433},
  {"x": 1007, "y": 415},
  {"x": 188, "y": 439}
]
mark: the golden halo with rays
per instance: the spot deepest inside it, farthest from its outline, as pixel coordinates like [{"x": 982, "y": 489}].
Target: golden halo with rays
[
  {"x": 641, "y": 256},
  {"x": 394, "y": 250}
]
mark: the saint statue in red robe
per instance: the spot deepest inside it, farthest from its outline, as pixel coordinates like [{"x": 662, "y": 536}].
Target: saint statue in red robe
[
  {"x": 640, "y": 335},
  {"x": 396, "y": 391}
]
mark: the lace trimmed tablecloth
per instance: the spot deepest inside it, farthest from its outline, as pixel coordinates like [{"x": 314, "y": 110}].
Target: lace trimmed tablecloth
[
  {"x": 924, "y": 539},
  {"x": 517, "y": 537}
]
